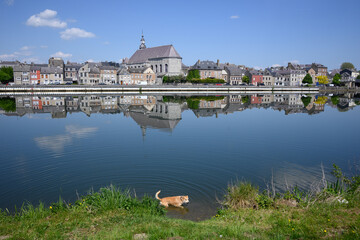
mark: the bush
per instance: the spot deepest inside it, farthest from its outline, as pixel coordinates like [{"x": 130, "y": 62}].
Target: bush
[
  {"x": 8, "y": 104},
  {"x": 193, "y": 74},
  {"x": 207, "y": 80},
  {"x": 245, "y": 99},
  {"x": 264, "y": 200},
  {"x": 295, "y": 194},
  {"x": 193, "y": 104},
  {"x": 174, "y": 79},
  {"x": 241, "y": 195},
  {"x": 110, "y": 198}
]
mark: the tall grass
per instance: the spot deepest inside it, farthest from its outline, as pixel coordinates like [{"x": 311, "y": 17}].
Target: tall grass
[
  {"x": 344, "y": 190},
  {"x": 241, "y": 195},
  {"x": 107, "y": 198}
]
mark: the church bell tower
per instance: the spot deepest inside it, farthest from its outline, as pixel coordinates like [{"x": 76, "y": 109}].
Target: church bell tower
[{"x": 142, "y": 45}]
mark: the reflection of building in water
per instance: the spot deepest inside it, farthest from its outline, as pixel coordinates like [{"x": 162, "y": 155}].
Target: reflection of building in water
[
  {"x": 72, "y": 104},
  {"x": 109, "y": 103},
  {"x": 163, "y": 115},
  {"x": 35, "y": 104},
  {"x": 152, "y": 112},
  {"x": 90, "y": 104},
  {"x": 210, "y": 108}
]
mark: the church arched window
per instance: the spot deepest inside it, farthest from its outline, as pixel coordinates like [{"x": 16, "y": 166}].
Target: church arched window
[
  {"x": 156, "y": 68},
  {"x": 166, "y": 68},
  {"x": 160, "y": 68}
]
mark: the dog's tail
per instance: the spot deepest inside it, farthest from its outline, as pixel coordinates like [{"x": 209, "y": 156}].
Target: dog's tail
[{"x": 157, "y": 195}]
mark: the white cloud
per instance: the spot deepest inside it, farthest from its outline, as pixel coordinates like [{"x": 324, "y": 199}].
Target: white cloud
[
  {"x": 9, "y": 2},
  {"x": 72, "y": 33},
  {"x": 58, "y": 142},
  {"x": 8, "y": 56},
  {"x": 276, "y": 65},
  {"x": 31, "y": 59},
  {"x": 46, "y": 19},
  {"x": 257, "y": 68},
  {"x": 62, "y": 55},
  {"x": 234, "y": 17},
  {"x": 24, "y": 51},
  {"x": 90, "y": 60},
  {"x": 295, "y": 61},
  {"x": 44, "y": 46},
  {"x": 71, "y": 20},
  {"x": 25, "y": 48}
]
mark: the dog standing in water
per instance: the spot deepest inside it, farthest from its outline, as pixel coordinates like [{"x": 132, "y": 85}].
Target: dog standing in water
[{"x": 175, "y": 201}]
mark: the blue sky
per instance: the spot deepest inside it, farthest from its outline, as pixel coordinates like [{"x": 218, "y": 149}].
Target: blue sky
[{"x": 256, "y": 33}]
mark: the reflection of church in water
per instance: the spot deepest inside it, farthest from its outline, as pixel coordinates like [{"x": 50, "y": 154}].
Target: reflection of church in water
[
  {"x": 160, "y": 115},
  {"x": 164, "y": 113}
]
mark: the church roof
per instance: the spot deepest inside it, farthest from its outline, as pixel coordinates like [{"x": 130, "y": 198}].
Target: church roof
[{"x": 143, "y": 55}]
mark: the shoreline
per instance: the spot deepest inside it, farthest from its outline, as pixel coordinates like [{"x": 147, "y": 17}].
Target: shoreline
[{"x": 153, "y": 89}]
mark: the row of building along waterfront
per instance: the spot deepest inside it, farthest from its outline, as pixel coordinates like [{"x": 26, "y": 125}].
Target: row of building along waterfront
[{"x": 147, "y": 66}]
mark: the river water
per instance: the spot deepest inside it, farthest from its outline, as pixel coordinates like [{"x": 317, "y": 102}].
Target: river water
[{"x": 55, "y": 146}]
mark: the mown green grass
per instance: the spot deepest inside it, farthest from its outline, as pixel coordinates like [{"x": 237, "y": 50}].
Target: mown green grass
[{"x": 112, "y": 213}]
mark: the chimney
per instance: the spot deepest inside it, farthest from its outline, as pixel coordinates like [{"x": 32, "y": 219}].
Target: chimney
[
  {"x": 217, "y": 62},
  {"x": 198, "y": 61}
]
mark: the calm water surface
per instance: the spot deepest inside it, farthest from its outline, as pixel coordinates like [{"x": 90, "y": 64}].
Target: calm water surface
[{"x": 54, "y": 146}]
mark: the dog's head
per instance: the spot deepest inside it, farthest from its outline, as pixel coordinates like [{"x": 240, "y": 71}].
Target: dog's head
[{"x": 184, "y": 199}]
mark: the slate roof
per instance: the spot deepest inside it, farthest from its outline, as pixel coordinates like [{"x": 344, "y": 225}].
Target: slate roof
[
  {"x": 235, "y": 71},
  {"x": 123, "y": 71},
  {"x": 206, "y": 65},
  {"x": 51, "y": 70},
  {"x": 107, "y": 67},
  {"x": 143, "y": 55},
  {"x": 77, "y": 66},
  {"x": 37, "y": 67},
  {"x": 21, "y": 68},
  {"x": 282, "y": 72},
  {"x": 137, "y": 70},
  {"x": 255, "y": 72},
  {"x": 95, "y": 70}
]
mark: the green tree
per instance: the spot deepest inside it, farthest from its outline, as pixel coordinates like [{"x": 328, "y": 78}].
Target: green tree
[
  {"x": 336, "y": 79},
  {"x": 307, "y": 79},
  {"x": 8, "y": 104},
  {"x": 193, "y": 104},
  {"x": 6, "y": 74},
  {"x": 347, "y": 65},
  {"x": 245, "y": 99},
  {"x": 358, "y": 77},
  {"x": 4, "y": 77},
  {"x": 306, "y": 101},
  {"x": 194, "y": 73},
  {"x": 245, "y": 79},
  {"x": 335, "y": 100}
]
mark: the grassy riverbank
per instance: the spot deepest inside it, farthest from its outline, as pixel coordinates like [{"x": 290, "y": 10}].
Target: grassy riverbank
[{"x": 332, "y": 211}]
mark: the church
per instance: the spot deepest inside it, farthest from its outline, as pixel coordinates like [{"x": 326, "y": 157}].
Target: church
[{"x": 163, "y": 60}]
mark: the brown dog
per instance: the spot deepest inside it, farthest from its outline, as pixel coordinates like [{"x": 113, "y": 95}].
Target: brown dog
[{"x": 175, "y": 201}]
